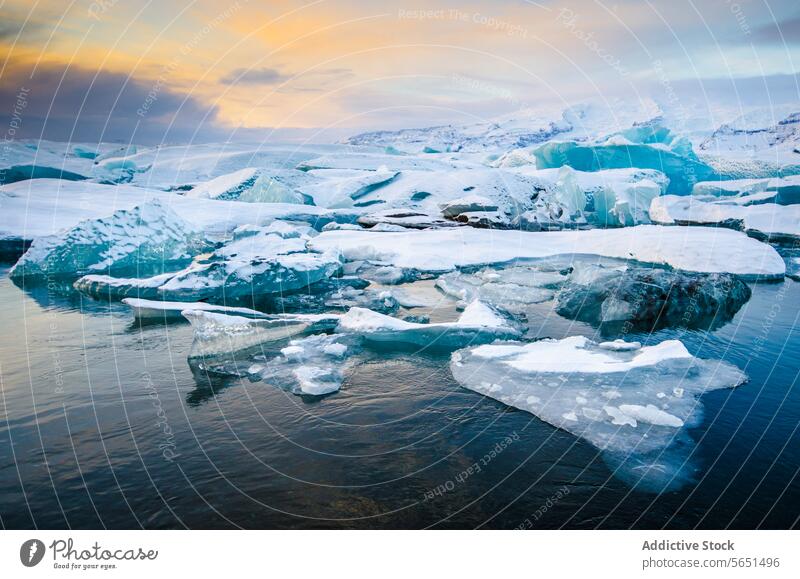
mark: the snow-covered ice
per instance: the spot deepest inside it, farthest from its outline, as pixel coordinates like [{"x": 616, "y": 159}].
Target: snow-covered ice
[
  {"x": 477, "y": 324},
  {"x": 610, "y": 396},
  {"x": 163, "y": 310},
  {"x": 699, "y": 249},
  {"x": 769, "y": 221}
]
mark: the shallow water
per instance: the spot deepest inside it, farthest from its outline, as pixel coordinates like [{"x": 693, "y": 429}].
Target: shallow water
[{"x": 105, "y": 424}]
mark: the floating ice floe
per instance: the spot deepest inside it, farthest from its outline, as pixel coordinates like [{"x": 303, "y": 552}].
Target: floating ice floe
[
  {"x": 767, "y": 221},
  {"x": 146, "y": 236},
  {"x": 217, "y": 334},
  {"x": 478, "y": 323},
  {"x": 162, "y": 310},
  {"x": 699, "y": 249},
  {"x": 649, "y": 297},
  {"x": 633, "y": 402},
  {"x": 311, "y": 366}
]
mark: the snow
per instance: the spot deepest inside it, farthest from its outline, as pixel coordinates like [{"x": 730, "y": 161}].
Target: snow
[
  {"x": 169, "y": 167},
  {"x": 613, "y": 398},
  {"x": 785, "y": 190},
  {"x": 700, "y": 249},
  {"x": 518, "y": 130},
  {"x": 39, "y": 207},
  {"x": 225, "y": 186},
  {"x": 573, "y": 354},
  {"x": 764, "y": 220}
]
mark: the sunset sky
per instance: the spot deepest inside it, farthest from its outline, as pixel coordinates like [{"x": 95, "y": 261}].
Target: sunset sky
[{"x": 182, "y": 70}]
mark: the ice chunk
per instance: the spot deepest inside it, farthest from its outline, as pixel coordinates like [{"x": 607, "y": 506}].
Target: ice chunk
[
  {"x": 767, "y": 221},
  {"x": 403, "y": 218},
  {"x": 470, "y": 203},
  {"x": 314, "y": 365},
  {"x": 610, "y": 397},
  {"x": 478, "y": 323},
  {"x": 252, "y": 276},
  {"x": 344, "y": 187},
  {"x": 510, "y": 289},
  {"x": 266, "y": 261},
  {"x": 220, "y": 334},
  {"x": 320, "y": 370},
  {"x": 699, "y": 249},
  {"x": 650, "y": 297},
  {"x": 149, "y": 235},
  {"x": 158, "y": 310},
  {"x": 108, "y": 287},
  {"x": 316, "y": 381},
  {"x": 250, "y": 185}
]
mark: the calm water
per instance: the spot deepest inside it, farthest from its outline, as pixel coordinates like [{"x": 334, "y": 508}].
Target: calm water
[{"x": 103, "y": 423}]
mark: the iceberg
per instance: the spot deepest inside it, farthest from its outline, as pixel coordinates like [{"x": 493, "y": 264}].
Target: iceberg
[
  {"x": 683, "y": 171},
  {"x": 607, "y": 198},
  {"x": 146, "y": 236},
  {"x": 698, "y": 249},
  {"x": 258, "y": 261},
  {"x": 633, "y": 402},
  {"x": 181, "y": 167},
  {"x": 648, "y": 297},
  {"x": 478, "y": 323},
  {"x": 260, "y": 264}
]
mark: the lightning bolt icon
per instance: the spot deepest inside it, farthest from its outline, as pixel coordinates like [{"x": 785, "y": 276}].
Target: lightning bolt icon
[{"x": 34, "y": 548}]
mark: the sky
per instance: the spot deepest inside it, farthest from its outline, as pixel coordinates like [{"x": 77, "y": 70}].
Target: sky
[{"x": 179, "y": 71}]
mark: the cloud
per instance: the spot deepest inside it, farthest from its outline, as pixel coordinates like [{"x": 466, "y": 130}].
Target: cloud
[
  {"x": 785, "y": 32},
  {"x": 254, "y": 76},
  {"x": 71, "y": 103},
  {"x": 13, "y": 28},
  {"x": 312, "y": 81}
]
